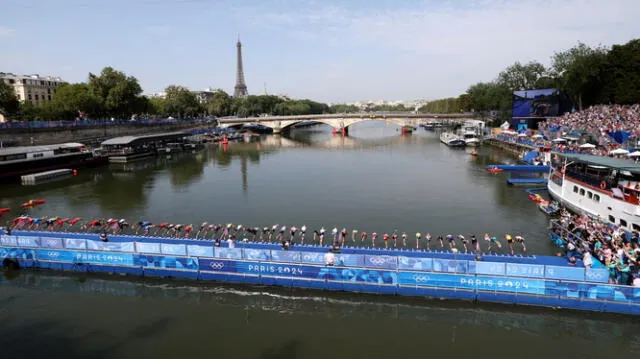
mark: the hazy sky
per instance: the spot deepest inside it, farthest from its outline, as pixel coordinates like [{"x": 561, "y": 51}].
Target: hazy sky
[{"x": 325, "y": 50}]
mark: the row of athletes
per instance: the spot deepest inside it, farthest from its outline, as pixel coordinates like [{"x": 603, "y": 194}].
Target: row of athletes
[{"x": 277, "y": 232}]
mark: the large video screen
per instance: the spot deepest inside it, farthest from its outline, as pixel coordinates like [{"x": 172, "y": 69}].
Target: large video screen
[{"x": 536, "y": 103}]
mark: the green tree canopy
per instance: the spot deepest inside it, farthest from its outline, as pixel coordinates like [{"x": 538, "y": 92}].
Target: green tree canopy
[
  {"x": 180, "y": 102},
  {"x": 522, "y": 77},
  {"x": 219, "y": 104},
  {"x": 118, "y": 93},
  {"x": 9, "y": 103},
  {"x": 69, "y": 100}
]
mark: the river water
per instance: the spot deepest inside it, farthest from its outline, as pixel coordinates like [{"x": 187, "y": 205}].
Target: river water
[{"x": 373, "y": 180}]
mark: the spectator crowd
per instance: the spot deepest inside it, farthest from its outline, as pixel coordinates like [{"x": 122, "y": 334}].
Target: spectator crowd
[{"x": 588, "y": 238}]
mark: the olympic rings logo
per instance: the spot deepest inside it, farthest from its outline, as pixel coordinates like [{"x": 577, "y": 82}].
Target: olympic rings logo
[
  {"x": 421, "y": 278},
  {"x": 52, "y": 242},
  {"x": 217, "y": 265},
  {"x": 53, "y": 254},
  {"x": 595, "y": 275},
  {"x": 378, "y": 260}
]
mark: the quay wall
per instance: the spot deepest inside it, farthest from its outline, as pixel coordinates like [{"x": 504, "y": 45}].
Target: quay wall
[
  {"x": 87, "y": 134},
  {"x": 393, "y": 273}
]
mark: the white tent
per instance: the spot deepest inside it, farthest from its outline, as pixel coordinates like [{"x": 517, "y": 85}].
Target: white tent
[
  {"x": 619, "y": 151},
  {"x": 522, "y": 135},
  {"x": 587, "y": 145},
  {"x": 634, "y": 154},
  {"x": 537, "y": 136},
  {"x": 559, "y": 140}
]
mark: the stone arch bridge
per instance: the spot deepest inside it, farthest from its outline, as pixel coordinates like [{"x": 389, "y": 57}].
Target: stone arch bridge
[{"x": 341, "y": 122}]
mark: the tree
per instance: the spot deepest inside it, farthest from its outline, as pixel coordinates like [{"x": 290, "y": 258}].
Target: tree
[
  {"x": 117, "y": 92},
  {"x": 155, "y": 106},
  {"x": 580, "y": 72},
  {"x": 9, "y": 103},
  {"x": 69, "y": 100},
  {"x": 180, "y": 102},
  {"x": 219, "y": 104},
  {"x": 29, "y": 111},
  {"x": 522, "y": 77},
  {"x": 621, "y": 74},
  {"x": 343, "y": 108}
]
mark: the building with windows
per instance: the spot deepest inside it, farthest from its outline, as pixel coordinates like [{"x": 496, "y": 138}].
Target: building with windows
[{"x": 33, "y": 88}]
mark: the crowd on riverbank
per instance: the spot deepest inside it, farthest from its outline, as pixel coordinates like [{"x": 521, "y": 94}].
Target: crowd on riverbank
[
  {"x": 600, "y": 123},
  {"x": 589, "y": 238},
  {"x": 287, "y": 236},
  {"x": 597, "y": 120}
]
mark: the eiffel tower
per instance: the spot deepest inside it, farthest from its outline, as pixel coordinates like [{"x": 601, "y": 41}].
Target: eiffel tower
[{"x": 241, "y": 88}]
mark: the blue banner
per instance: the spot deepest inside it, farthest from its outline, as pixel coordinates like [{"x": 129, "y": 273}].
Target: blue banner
[
  {"x": 389, "y": 262},
  {"x": 312, "y": 257},
  {"x": 525, "y": 270},
  {"x": 228, "y": 253},
  {"x": 278, "y": 270},
  {"x": 450, "y": 265},
  {"x": 111, "y": 246},
  {"x": 484, "y": 283},
  {"x": 371, "y": 276},
  {"x": 349, "y": 260},
  {"x": 28, "y": 241},
  {"x": 286, "y": 256},
  {"x": 217, "y": 265},
  {"x": 75, "y": 243},
  {"x": 9, "y": 241},
  {"x": 564, "y": 273},
  {"x": 256, "y": 254},
  {"x": 195, "y": 250},
  {"x": 174, "y": 249},
  {"x": 17, "y": 253},
  {"x": 599, "y": 275},
  {"x": 593, "y": 291},
  {"x": 142, "y": 247},
  {"x": 424, "y": 264},
  {"x": 490, "y": 268},
  {"x": 502, "y": 284},
  {"x": 48, "y": 242},
  {"x": 116, "y": 259},
  {"x": 165, "y": 262}
]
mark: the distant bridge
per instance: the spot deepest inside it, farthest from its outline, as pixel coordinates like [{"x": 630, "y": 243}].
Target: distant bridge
[{"x": 343, "y": 121}]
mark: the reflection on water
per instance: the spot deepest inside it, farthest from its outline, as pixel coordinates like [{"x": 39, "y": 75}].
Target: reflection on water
[
  {"x": 122, "y": 319},
  {"x": 373, "y": 180}
]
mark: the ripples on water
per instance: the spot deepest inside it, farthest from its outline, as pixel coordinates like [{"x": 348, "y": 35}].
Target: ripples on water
[{"x": 106, "y": 317}]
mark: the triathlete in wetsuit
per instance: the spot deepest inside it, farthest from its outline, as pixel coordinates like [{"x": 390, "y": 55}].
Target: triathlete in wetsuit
[
  {"x": 386, "y": 237},
  {"x": 374, "y": 236},
  {"x": 427, "y": 237},
  {"x": 303, "y": 232},
  {"x": 475, "y": 244},
  {"x": 394, "y": 236},
  {"x": 363, "y": 237},
  {"x": 404, "y": 239},
  {"x": 418, "y": 235},
  {"x": 520, "y": 240}
]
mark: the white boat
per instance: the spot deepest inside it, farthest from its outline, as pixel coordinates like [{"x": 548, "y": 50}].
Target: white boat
[
  {"x": 451, "y": 139},
  {"x": 470, "y": 138},
  {"x": 472, "y": 132},
  {"x": 603, "y": 187}
]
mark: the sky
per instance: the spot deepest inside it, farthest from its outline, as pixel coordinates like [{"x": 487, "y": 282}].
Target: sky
[{"x": 331, "y": 51}]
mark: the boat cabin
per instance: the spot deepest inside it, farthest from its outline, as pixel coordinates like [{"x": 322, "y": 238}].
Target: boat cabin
[{"x": 27, "y": 153}]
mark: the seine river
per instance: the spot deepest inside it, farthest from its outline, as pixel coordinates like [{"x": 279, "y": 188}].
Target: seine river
[{"x": 373, "y": 180}]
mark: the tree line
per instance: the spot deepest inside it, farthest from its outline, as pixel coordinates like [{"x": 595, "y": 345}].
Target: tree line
[
  {"x": 588, "y": 75},
  {"x": 114, "y": 94}
]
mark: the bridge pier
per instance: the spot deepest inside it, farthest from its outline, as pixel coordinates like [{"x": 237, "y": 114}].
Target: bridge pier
[{"x": 344, "y": 131}]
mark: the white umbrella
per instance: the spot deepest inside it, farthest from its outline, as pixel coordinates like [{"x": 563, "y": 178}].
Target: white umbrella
[
  {"x": 587, "y": 145},
  {"x": 522, "y": 135},
  {"x": 559, "y": 140},
  {"x": 537, "y": 136},
  {"x": 634, "y": 154},
  {"x": 619, "y": 151}
]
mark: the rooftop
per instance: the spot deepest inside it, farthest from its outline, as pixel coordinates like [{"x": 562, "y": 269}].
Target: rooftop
[
  {"x": 30, "y": 149},
  {"x": 9, "y": 75},
  {"x": 127, "y": 140},
  {"x": 617, "y": 163}
]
